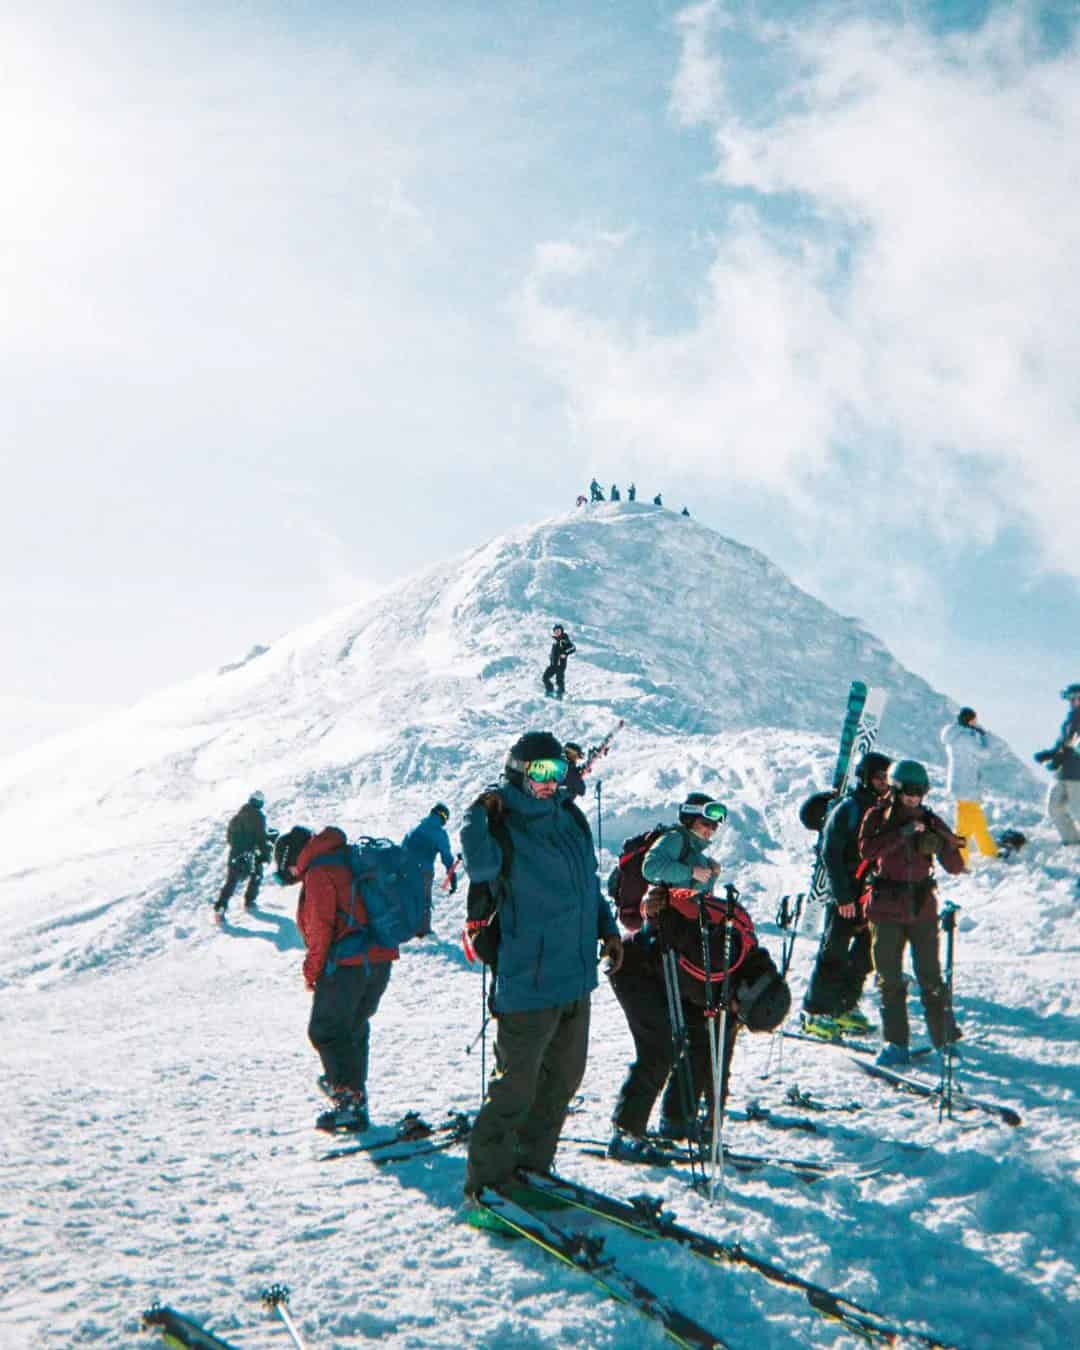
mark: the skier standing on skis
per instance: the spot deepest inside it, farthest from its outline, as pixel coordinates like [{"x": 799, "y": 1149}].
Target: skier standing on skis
[
  {"x": 347, "y": 983},
  {"x": 681, "y": 872},
  {"x": 596, "y": 492},
  {"x": 1063, "y": 758},
  {"x": 528, "y": 841},
  {"x": 965, "y": 748},
  {"x": 429, "y": 838},
  {"x": 249, "y": 850},
  {"x": 831, "y": 1004},
  {"x": 900, "y": 838},
  {"x": 561, "y": 650}
]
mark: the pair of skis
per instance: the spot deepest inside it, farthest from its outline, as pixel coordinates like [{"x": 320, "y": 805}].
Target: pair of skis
[{"x": 645, "y": 1218}]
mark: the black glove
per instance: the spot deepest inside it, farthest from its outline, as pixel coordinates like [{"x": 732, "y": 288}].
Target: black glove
[
  {"x": 453, "y": 883},
  {"x": 1041, "y": 756}
]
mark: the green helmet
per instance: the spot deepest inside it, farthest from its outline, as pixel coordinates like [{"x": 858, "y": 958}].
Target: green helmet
[{"x": 908, "y": 775}]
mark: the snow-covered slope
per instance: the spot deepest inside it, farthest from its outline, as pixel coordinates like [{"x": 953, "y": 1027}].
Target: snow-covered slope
[{"x": 160, "y": 1089}]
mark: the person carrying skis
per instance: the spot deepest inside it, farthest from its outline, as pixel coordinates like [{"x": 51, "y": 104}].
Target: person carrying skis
[
  {"x": 900, "y": 838},
  {"x": 249, "y": 850},
  {"x": 965, "y": 749},
  {"x": 682, "y": 873},
  {"x": 429, "y": 838},
  {"x": 561, "y": 649},
  {"x": 347, "y": 983},
  {"x": 1063, "y": 758},
  {"x": 831, "y": 1003},
  {"x": 575, "y": 777},
  {"x": 533, "y": 846}
]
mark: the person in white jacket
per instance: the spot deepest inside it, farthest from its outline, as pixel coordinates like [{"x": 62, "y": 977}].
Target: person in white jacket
[{"x": 965, "y": 749}]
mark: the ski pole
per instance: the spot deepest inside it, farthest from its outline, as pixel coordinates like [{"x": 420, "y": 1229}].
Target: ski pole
[
  {"x": 716, "y": 1152},
  {"x": 719, "y": 1085},
  {"x": 277, "y": 1298},
  {"x": 599, "y": 820},
  {"x": 682, "y": 1067},
  {"x": 948, "y": 926}
]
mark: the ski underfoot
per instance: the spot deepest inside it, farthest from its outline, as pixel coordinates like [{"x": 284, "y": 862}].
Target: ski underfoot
[
  {"x": 933, "y": 1091},
  {"x": 645, "y": 1217}
]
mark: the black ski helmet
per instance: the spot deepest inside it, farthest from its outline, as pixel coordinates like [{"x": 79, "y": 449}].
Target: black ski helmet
[
  {"x": 764, "y": 1004},
  {"x": 908, "y": 775},
  {"x": 965, "y": 716},
  {"x": 533, "y": 745},
  {"x": 256, "y": 799},
  {"x": 287, "y": 849},
  {"x": 442, "y": 810},
  {"x": 871, "y": 763},
  {"x": 1071, "y": 691},
  {"x": 556, "y": 628},
  {"x": 573, "y": 746}
]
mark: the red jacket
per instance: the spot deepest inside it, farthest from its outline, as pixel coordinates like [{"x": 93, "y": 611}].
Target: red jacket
[
  {"x": 322, "y": 912},
  {"x": 903, "y": 890}
]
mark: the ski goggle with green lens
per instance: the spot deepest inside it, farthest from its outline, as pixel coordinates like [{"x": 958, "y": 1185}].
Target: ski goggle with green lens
[
  {"x": 541, "y": 770},
  {"x": 714, "y": 812}
]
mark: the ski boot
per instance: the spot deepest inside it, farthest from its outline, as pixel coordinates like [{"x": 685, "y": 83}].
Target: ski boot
[
  {"x": 348, "y": 1116},
  {"x": 627, "y": 1147},
  {"x": 821, "y": 1026},
  {"x": 853, "y": 1022},
  {"x": 892, "y": 1056}
]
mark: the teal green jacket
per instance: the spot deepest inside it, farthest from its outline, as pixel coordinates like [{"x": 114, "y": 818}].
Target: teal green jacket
[{"x": 662, "y": 865}]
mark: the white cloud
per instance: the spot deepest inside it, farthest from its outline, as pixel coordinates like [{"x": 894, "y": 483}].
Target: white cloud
[{"x": 901, "y": 280}]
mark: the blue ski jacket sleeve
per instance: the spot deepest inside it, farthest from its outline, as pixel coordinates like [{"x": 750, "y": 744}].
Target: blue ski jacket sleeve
[
  {"x": 552, "y": 915},
  {"x": 427, "y": 839}
]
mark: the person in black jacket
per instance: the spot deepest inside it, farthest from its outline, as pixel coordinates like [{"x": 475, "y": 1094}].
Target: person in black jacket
[
  {"x": 561, "y": 649},
  {"x": 831, "y": 1004},
  {"x": 249, "y": 849},
  {"x": 575, "y": 779},
  {"x": 1063, "y": 758}
]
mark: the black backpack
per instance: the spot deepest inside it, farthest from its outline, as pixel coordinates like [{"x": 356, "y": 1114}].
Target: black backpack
[
  {"x": 813, "y": 812},
  {"x": 483, "y": 899},
  {"x": 625, "y": 884}
]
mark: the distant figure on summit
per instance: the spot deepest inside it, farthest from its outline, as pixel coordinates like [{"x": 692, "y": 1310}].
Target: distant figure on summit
[
  {"x": 685, "y": 511},
  {"x": 631, "y": 493},
  {"x": 1063, "y": 758},
  {"x": 249, "y": 849},
  {"x": 596, "y": 492},
  {"x": 658, "y": 500},
  {"x": 965, "y": 748},
  {"x": 615, "y": 495},
  {"x": 561, "y": 649}
]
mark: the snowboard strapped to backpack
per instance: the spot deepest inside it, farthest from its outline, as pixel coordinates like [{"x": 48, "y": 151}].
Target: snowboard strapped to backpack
[{"x": 389, "y": 885}]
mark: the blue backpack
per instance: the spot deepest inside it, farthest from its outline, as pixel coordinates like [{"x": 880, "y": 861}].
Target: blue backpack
[{"x": 392, "y": 888}]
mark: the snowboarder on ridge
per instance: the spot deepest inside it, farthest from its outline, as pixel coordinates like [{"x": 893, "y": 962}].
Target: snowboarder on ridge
[
  {"x": 1063, "y": 758},
  {"x": 249, "y": 851},
  {"x": 965, "y": 748}
]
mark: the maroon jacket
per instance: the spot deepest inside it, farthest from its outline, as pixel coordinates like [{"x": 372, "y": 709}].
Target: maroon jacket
[
  {"x": 903, "y": 889},
  {"x": 323, "y": 908}
]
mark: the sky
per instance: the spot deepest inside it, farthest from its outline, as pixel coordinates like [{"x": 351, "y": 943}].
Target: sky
[{"x": 300, "y": 298}]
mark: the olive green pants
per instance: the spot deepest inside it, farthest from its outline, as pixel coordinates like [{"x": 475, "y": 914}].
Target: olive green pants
[{"x": 887, "y": 944}]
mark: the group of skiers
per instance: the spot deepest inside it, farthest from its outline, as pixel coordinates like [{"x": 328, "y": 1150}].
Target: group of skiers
[
  {"x": 596, "y": 494},
  {"x": 688, "y": 973}
]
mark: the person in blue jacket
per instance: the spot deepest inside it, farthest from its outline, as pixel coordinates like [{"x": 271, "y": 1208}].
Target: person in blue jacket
[
  {"x": 429, "y": 838},
  {"x": 526, "y": 838}
]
